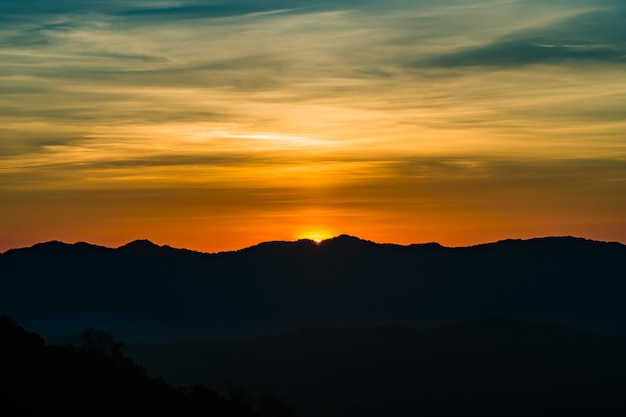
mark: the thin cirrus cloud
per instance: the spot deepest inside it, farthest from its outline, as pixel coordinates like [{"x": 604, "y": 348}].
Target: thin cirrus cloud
[
  {"x": 594, "y": 37},
  {"x": 365, "y": 112}
]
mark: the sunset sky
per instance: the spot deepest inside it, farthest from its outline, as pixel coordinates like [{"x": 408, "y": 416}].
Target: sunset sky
[{"x": 215, "y": 125}]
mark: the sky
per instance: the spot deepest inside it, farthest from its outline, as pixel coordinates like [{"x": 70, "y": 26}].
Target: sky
[{"x": 216, "y": 125}]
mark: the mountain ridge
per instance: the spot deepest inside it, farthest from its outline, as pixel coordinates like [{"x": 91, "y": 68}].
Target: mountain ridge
[
  {"x": 145, "y": 291},
  {"x": 477, "y": 367},
  {"x": 342, "y": 239}
]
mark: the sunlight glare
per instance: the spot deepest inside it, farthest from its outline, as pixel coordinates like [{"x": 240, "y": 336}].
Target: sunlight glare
[{"x": 316, "y": 235}]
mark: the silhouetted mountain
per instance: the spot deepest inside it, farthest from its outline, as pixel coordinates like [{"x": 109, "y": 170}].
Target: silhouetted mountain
[
  {"x": 141, "y": 246},
  {"x": 488, "y": 367},
  {"x": 96, "y": 379},
  {"x": 145, "y": 247},
  {"x": 142, "y": 291}
]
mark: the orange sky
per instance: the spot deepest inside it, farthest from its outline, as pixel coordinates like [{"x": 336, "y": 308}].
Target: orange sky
[{"x": 214, "y": 128}]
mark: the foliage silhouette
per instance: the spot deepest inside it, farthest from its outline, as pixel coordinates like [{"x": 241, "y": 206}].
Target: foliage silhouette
[
  {"x": 101, "y": 343},
  {"x": 96, "y": 379},
  {"x": 270, "y": 405}
]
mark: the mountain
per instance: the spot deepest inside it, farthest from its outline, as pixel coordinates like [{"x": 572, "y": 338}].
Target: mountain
[
  {"x": 485, "y": 367},
  {"x": 97, "y": 379},
  {"x": 142, "y": 291}
]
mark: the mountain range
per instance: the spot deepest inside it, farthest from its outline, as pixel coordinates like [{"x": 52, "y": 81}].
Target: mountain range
[
  {"x": 145, "y": 292},
  {"x": 485, "y": 367}
]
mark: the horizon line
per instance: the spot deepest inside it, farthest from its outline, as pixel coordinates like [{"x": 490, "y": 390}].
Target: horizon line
[{"x": 317, "y": 242}]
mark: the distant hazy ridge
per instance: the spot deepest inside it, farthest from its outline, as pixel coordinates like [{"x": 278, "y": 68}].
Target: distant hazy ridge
[{"x": 141, "y": 291}]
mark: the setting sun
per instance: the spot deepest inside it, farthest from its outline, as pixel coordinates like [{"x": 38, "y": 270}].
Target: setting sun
[
  {"x": 314, "y": 188},
  {"x": 315, "y": 235},
  {"x": 396, "y": 121}
]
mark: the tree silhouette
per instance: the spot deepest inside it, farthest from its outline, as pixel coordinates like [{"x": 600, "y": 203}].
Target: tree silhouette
[
  {"x": 95, "y": 379},
  {"x": 238, "y": 395},
  {"x": 270, "y": 405},
  {"x": 101, "y": 343}
]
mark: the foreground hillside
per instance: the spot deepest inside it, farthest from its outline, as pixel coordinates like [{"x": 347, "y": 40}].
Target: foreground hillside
[
  {"x": 95, "y": 379},
  {"x": 487, "y": 367},
  {"x": 142, "y": 291}
]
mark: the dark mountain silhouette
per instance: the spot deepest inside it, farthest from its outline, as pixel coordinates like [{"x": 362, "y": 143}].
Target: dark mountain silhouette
[
  {"x": 487, "y": 367},
  {"x": 95, "y": 379},
  {"x": 142, "y": 246},
  {"x": 142, "y": 291}
]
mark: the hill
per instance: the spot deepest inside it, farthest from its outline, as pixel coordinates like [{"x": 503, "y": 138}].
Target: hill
[
  {"x": 143, "y": 291},
  {"x": 487, "y": 367},
  {"x": 95, "y": 379}
]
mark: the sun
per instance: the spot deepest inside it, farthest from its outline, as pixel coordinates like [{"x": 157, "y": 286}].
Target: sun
[{"x": 316, "y": 235}]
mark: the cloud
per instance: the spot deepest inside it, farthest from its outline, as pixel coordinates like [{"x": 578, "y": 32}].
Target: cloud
[
  {"x": 529, "y": 52},
  {"x": 334, "y": 71},
  {"x": 230, "y": 8},
  {"x": 199, "y": 11},
  {"x": 175, "y": 9},
  {"x": 405, "y": 115},
  {"x": 598, "y": 36}
]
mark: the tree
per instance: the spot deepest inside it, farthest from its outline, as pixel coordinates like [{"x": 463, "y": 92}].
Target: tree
[
  {"x": 238, "y": 395},
  {"x": 102, "y": 343},
  {"x": 270, "y": 405}
]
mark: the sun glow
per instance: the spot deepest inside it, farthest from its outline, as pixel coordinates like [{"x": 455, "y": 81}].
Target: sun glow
[{"x": 316, "y": 236}]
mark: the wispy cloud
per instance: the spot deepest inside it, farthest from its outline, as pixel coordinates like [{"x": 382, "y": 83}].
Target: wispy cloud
[
  {"x": 598, "y": 36},
  {"x": 387, "y": 102}
]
